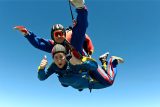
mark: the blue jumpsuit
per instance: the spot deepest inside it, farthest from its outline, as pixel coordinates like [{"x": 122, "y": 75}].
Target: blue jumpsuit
[{"x": 86, "y": 75}]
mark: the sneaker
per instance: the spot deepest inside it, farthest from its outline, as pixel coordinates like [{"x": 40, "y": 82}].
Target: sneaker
[
  {"x": 119, "y": 59},
  {"x": 103, "y": 57}
]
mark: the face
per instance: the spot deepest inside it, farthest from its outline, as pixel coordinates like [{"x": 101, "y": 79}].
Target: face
[
  {"x": 60, "y": 59},
  {"x": 59, "y": 36}
]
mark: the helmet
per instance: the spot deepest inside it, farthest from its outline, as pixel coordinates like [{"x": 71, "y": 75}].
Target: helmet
[
  {"x": 58, "y": 48},
  {"x": 57, "y": 27}
]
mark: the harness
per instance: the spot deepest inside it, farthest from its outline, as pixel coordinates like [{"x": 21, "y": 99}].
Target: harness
[{"x": 71, "y": 70}]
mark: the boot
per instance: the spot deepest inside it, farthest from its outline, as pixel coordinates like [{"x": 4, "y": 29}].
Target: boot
[{"x": 119, "y": 59}]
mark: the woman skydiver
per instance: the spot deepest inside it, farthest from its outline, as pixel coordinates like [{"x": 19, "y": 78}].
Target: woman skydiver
[{"x": 77, "y": 73}]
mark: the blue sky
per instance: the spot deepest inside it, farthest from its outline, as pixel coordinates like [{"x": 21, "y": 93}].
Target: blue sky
[{"x": 126, "y": 28}]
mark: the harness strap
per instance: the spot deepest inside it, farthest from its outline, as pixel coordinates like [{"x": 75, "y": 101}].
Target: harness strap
[{"x": 73, "y": 20}]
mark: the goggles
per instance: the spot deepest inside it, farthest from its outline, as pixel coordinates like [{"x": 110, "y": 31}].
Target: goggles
[{"x": 58, "y": 33}]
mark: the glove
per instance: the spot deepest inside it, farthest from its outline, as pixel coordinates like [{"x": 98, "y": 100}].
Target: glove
[
  {"x": 22, "y": 29},
  {"x": 77, "y": 3},
  {"x": 90, "y": 52}
]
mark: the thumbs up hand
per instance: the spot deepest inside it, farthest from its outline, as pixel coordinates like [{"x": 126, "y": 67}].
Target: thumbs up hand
[{"x": 43, "y": 63}]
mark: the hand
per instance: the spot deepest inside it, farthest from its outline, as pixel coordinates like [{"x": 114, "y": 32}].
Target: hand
[
  {"x": 89, "y": 56},
  {"x": 22, "y": 29},
  {"x": 77, "y": 3},
  {"x": 90, "y": 52},
  {"x": 43, "y": 63}
]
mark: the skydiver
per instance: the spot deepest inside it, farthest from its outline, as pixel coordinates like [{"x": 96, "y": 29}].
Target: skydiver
[
  {"x": 77, "y": 73},
  {"x": 61, "y": 35}
]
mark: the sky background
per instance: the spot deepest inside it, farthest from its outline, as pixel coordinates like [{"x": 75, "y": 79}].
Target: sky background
[{"x": 126, "y": 28}]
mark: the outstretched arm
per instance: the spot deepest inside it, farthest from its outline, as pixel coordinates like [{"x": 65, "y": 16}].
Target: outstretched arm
[{"x": 39, "y": 43}]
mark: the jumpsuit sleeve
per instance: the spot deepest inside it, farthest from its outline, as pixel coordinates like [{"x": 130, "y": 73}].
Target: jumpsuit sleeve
[
  {"x": 88, "y": 45},
  {"x": 40, "y": 43},
  {"x": 43, "y": 75}
]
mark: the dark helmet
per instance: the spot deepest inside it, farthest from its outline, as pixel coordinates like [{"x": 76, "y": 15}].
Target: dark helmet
[{"x": 57, "y": 27}]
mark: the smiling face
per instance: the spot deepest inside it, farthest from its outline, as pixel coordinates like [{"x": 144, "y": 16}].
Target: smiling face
[
  {"x": 60, "y": 59},
  {"x": 59, "y": 36}
]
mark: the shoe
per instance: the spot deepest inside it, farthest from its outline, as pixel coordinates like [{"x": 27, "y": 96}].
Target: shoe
[
  {"x": 103, "y": 57},
  {"x": 119, "y": 59}
]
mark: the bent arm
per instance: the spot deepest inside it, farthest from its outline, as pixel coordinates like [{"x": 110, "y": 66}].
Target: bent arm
[{"x": 43, "y": 75}]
